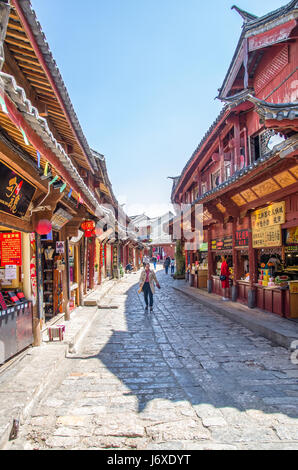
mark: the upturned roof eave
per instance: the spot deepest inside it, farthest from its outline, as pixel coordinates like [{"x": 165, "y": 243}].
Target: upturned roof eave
[{"x": 24, "y": 8}]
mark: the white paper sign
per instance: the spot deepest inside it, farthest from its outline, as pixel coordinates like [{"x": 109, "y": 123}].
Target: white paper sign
[{"x": 10, "y": 273}]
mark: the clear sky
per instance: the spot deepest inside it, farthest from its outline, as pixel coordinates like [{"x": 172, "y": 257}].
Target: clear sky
[{"x": 143, "y": 76}]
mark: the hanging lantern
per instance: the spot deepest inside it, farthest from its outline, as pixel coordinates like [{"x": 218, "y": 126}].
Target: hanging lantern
[
  {"x": 88, "y": 226},
  {"x": 43, "y": 227}
]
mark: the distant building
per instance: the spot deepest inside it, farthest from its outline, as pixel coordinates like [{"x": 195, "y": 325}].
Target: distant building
[{"x": 153, "y": 233}]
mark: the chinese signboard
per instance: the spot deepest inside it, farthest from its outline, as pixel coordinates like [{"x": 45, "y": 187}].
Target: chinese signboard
[
  {"x": 60, "y": 218},
  {"x": 15, "y": 192},
  {"x": 269, "y": 216},
  {"x": 241, "y": 238},
  {"x": 225, "y": 243},
  {"x": 11, "y": 249},
  {"x": 267, "y": 237}
]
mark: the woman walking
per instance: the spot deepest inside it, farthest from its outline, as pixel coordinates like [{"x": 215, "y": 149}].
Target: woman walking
[
  {"x": 148, "y": 280},
  {"x": 224, "y": 277}
]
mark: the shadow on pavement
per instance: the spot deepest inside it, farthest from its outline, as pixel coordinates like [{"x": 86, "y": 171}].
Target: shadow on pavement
[{"x": 186, "y": 352}]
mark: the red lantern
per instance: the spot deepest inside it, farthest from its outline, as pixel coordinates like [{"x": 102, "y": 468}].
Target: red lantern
[
  {"x": 43, "y": 227},
  {"x": 88, "y": 228}
]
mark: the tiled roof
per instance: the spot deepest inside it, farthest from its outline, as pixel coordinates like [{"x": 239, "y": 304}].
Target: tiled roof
[
  {"x": 204, "y": 139},
  {"x": 55, "y": 73},
  {"x": 253, "y": 24},
  {"x": 289, "y": 145},
  {"x": 40, "y": 126}
]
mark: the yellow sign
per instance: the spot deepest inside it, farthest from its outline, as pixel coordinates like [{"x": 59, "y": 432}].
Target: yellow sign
[
  {"x": 294, "y": 287},
  {"x": 267, "y": 236},
  {"x": 269, "y": 216}
]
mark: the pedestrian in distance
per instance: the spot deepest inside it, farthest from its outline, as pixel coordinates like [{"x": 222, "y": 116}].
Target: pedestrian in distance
[
  {"x": 148, "y": 280},
  {"x": 173, "y": 264},
  {"x": 167, "y": 264},
  {"x": 224, "y": 277},
  {"x": 154, "y": 261}
]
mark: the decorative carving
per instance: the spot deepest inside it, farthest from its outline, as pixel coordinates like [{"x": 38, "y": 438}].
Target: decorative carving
[
  {"x": 238, "y": 200},
  {"x": 267, "y": 187},
  {"x": 285, "y": 179}
]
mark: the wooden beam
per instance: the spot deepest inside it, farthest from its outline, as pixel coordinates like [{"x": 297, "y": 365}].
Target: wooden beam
[{"x": 13, "y": 222}]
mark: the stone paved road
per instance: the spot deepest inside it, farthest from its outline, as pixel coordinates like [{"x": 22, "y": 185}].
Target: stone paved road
[{"x": 182, "y": 378}]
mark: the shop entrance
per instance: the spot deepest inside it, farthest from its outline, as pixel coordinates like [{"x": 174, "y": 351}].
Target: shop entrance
[
  {"x": 16, "y": 276},
  {"x": 52, "y": 267}
]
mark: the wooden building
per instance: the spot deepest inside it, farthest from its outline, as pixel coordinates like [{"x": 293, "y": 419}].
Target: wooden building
[
  {"x": 51, "y": 182},
  {"x": 245, "y": 170}
]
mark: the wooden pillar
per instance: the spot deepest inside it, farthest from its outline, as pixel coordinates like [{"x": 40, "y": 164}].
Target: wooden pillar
[
  {"x": 210, "y": 261},
  {"x": 237, "y": 155},
  {"x": 222, "y": 160},
  {"x": 235, "y": 264},
  {"x": 253, "y": 269},
  {"x": 65, "y": 279}
]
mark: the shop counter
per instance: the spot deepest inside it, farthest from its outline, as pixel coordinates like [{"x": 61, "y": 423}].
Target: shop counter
[
  {"x": 216, "y": 285},
  {"x": 291, "y": 300},
  {"x": 243, "y": 288},
  {"x": 202, "y": 278},
  {"x": 271, "y": 299},
  {"x": 16, "y": 332}
]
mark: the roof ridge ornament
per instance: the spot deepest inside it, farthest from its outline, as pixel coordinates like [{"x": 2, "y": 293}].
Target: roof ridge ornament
[{"x": 247, "y": 17}]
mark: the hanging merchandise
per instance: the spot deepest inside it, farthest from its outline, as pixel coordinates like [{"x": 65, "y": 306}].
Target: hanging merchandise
[
  {"x": 46, "y": 168},
  {"x": 69, "y": 194},
  {"x": 43, "y": 227}
]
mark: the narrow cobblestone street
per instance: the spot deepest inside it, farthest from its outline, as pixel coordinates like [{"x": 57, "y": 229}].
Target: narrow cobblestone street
[{"x": 180, "y": 378}]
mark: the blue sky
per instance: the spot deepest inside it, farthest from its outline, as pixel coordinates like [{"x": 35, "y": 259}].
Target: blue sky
[{"x": 143, "y": 76}]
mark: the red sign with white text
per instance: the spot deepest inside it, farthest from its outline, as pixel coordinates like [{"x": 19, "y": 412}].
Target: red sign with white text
[{"x": 11, "y": 249}]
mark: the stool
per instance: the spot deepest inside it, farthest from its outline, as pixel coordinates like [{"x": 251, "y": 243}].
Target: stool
[{"x": 56, "y": 332}]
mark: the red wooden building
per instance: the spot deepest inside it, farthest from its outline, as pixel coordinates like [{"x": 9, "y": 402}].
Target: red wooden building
[{"x": 245, "y": 170}]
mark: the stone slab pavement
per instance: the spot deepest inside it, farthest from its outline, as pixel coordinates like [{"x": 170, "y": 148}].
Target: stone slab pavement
[
  {"x": 182, "y": 378},
  {"x": 281, "y": 331},
  {"x": 23, "y": 379}
]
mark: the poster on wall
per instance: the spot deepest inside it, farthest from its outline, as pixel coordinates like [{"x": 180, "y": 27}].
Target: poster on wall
[
  {"x": 11, "y": 249},
  {"x": 15, "y": 192},
  {"x": 60, "y": 248}
]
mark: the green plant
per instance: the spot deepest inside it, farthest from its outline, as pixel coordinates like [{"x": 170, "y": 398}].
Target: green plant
[{"x": 180, "y": 259}]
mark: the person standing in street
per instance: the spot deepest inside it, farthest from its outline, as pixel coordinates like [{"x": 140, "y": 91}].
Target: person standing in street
[
  {"x": 224, "y": 277},
  {"x": 154, "y": 261},
  {"x": 173, "y": 263},
  {"x": 167, "y": 264},
  {"x": 148, "y": 280}
]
